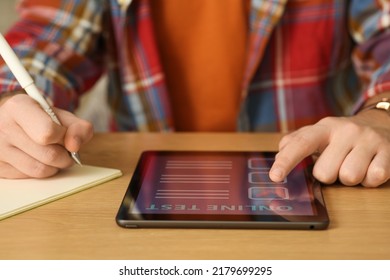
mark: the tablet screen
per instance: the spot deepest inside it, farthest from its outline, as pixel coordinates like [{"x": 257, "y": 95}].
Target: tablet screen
[{"x": 230, "y": 188}]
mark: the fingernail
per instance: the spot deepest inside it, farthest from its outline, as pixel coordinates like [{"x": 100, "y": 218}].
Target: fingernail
[{"x": 277, "y": 174}]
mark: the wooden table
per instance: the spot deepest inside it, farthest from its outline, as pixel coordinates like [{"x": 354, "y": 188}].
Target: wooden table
[{"x": 82, "y": 226}]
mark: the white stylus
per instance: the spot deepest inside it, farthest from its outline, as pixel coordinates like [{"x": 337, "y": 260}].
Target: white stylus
[{"x": 27, "y": 83}]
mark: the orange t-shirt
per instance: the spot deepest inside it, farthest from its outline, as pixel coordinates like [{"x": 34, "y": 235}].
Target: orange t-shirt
[{"x": 202, "y": 44}]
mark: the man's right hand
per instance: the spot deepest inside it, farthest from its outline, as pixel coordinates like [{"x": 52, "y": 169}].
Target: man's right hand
[{"x": 31, "y": 144}]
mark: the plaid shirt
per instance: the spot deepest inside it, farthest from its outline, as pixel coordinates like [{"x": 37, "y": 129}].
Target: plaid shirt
[{"x": 306, "y": 59}]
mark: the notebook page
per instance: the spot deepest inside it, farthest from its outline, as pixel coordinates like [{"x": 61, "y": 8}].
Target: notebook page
[{"x": 24, "y": 194}]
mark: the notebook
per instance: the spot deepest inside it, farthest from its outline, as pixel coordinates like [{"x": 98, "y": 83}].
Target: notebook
[{"x": 20, "y": 195}]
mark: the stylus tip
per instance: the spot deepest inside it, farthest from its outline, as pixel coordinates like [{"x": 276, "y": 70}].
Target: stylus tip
[{"x": 76, "y": 158}]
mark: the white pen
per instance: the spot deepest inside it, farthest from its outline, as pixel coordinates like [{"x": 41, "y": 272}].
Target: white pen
[{"x": 27, "y": 83}]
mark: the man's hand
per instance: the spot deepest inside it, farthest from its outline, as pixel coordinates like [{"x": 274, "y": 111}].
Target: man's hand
[
  {"x": 355, "y": 150},
  {"x": 31, "y": 144}
]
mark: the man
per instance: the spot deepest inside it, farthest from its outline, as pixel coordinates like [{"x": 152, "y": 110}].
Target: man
[{"x": 208, "y": 66}]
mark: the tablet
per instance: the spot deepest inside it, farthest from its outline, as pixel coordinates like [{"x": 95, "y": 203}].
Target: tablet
[{"x": 220, "y": 189}]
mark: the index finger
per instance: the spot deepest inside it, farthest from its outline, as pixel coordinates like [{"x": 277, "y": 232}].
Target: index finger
[
  {"x": 295, "y": 147},
  {"x": 34, "y": 121}
]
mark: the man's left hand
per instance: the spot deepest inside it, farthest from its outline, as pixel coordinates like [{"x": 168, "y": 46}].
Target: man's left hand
[{"x": 354, "y": 150}]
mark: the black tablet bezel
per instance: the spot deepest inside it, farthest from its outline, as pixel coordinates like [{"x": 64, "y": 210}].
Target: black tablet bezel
[{"x": 125, "y": 219}]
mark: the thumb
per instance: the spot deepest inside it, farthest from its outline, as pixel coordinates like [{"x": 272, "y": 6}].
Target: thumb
[{"x": 78, "y": 131}]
